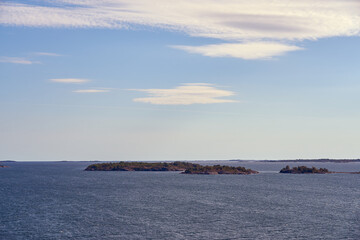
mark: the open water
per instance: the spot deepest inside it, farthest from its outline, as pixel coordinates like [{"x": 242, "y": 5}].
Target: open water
[{"x": 61, "y": 201}]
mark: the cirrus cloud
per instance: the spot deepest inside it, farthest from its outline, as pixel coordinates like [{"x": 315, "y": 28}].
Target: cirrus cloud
[
  {"x": 186, "y": 94},
  {"x": 236, "y": 22}
]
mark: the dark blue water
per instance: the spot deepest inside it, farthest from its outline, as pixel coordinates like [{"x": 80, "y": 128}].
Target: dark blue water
[{"x": 61, "y": 201}]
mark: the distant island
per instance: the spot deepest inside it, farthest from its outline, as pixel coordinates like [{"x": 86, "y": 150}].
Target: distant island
[
  {"x": 307, "y": 170},
  {"x": 217, "y": 169},
  {"x": 304, "y": 170},
  {"x": 185, "y": 167},
  {"x": 321, "y": 160},
  {"x": 140, "y": 166}
]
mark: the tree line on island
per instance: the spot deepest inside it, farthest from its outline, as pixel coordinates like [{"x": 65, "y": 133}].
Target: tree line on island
[
  {"x": 218, "y": 169},
  {"x": 304, "y": 170},
  {"x": 140, "y": 166},
  {"x": 185, "y": 167},
  {"x": 307, "y": 170}
]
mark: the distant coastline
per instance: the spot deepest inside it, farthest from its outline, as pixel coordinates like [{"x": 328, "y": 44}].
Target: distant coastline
[{"x": 321, "y": 160}]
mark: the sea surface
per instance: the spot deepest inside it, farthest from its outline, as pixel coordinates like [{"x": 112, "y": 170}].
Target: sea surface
[{"x": 58, "y": 200}]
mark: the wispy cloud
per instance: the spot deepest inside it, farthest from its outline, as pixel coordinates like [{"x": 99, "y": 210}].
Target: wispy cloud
[
  {"x": 91, "y": 91},
  {"x": 17, "y": 60},
  {"x": 69, "y": 80},
  {"x": 49, "y": 54},
  {"x": 235, "y": 22},
  {"x": 194, "y": 93},
  {"x": 252, "y": 50}
]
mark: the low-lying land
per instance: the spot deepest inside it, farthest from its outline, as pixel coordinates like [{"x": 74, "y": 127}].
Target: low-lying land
[
  {"x": 140, "y": 166},
  {"x": 185, "y": 167},
  {"x": 307, "y": 170},
  {"x": 304, "y": 170},
  {"x": 217, "y": 169},
  {"x": 191, "y": 168},
  {"x": 322, "y": 160}
]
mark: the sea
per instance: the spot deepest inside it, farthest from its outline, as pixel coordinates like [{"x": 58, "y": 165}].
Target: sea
[{"x": 59, "y": 200}]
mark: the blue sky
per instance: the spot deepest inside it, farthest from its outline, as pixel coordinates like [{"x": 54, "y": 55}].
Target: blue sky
[{"x": 125, "y": 80}]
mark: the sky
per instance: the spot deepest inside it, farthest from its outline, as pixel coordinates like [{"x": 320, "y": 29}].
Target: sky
[{"x": 179, "y": 80}]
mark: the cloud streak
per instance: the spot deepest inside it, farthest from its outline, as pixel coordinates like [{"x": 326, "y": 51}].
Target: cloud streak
[
  {"x": 232, "y": 21},
  {"x": 91, "y": 91},
  {"x": 186, "y": 94},
  {"x": 17, "y": 60},
  {"x": 248, "y": 51},
  {"x": 69, "y": 80},
  {"x": 48, "y": 54}
]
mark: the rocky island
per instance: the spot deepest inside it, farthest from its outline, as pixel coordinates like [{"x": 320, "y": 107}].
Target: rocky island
[
  {"x": 304, "y": 170},
  {"x": 185, "y": 167},
  {"x": 140, "y": 166},
  {"x": 217, "y": 169}
]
